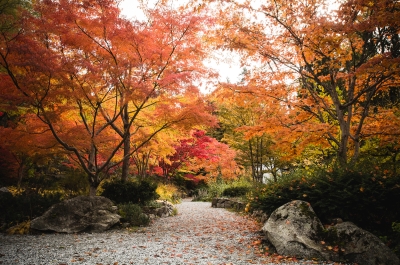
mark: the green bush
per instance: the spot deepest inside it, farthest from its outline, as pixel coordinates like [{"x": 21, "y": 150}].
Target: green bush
[
  {"x": 135, "y": 192},
  {"x": 236, "y": 188},
  {"x": 25, "y": 206},
  {"x": 394, "y": 239},
  {"x": 396, "y": 227},
  {"x": 74, "y": 183},
  {"x": 212, "y": 190},
  {"x": 367, "y": 199},
  {"x": 201, "y": 195},
  {"x": 235, "y": 191},
  {"x": 133, "y": 214}
]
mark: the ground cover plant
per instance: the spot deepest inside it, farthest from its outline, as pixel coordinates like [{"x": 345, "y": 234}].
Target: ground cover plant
[{"x": 133, "y": 214}]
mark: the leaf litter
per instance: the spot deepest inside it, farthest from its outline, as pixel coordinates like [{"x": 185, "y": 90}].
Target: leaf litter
[{"x": 199, "y": 234}]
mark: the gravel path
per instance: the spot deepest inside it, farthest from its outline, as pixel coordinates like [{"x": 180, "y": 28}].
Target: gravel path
[{"x": 199, "y": 234}]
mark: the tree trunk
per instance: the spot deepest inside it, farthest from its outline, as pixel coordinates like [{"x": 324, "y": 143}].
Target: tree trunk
[
  {"x": 344, "y": 125},
  {"x": 342, "y": 152},
  {"x": 21, "y": 170},
  {"x": 93, "y": 176},
  {"x": 127, "y": 143},
  {"x": 92, "y": 190},
  {"x": 394, "y": 160},
  {"x": 253, "y": 169},
  {"x": 94, "y": 182},
  {"x": 125, "y": 162}
]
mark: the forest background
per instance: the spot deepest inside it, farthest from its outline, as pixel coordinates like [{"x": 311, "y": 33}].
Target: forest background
[{"x": 90, "y": 97}]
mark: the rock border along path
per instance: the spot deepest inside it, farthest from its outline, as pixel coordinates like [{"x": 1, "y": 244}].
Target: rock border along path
[{"x": 199, "y": 234}]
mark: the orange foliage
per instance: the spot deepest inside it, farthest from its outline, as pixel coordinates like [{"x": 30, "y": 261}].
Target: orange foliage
[
  {"x": 105, "y": 86},
  {"x": 321, "y": 73}
]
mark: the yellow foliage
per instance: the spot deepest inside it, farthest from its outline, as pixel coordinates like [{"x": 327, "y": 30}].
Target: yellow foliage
[
  {"x": 247, "y": 209},
  {"x": 168, "y": 192},
  {"x": 20, "y": 229},
  {"x": 15, "y": 190}
]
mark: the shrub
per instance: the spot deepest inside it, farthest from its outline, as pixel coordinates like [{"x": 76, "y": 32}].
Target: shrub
[
  {"x": 218, "y": 188},
  {"x": 396, "y": 227},
  {"x": 368, "y": 198},
  {"x": 394, "y": 239},
  {"x": 133, "y": 214},
  {"x": 168, "y": 192},
  {"x": 212, "y": 190},
  {"x": 129, "y": 191},
  {"x": 201, "y": 195},
  {"x": 174, "y": 212},
  {"x": 187, "y": 182},
  {"x": 235, "y": 191},
  {"x": 26, "y": 205},
  {"x": 147, "y": 192},
  {"x": 365, "y": 198},
  {"x": 75, "y": 182}
]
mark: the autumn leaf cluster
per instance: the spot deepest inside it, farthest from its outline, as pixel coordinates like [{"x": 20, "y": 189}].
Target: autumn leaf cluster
[{"x": 104, "y": 92}]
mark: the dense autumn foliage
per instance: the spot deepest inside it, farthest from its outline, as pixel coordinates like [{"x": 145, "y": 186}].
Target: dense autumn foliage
[
  {"x": 116, "y": 96},
  {"x": 103, "y": 86},
  {"x": 91, "y": 98},
  {"x": 260, "y": 153},
  {"x": 200, "y": 155},
  {"x": 329, "y": 79}
]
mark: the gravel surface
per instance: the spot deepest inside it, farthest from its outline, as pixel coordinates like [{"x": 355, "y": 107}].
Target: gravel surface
[{"x": 199, "y": 234}]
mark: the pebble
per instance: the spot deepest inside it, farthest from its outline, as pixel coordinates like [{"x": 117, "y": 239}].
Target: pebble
[{"x": 199, "y": 234}]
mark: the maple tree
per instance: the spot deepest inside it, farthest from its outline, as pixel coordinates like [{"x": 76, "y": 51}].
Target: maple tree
[
  {"x": 237, "y": 112},
  {"x": 45, "y": 62},
  {"x": 25, "y": 145},
  {"x": 220, "y": 163},
  {"x": 202, "y": 155},
  {"x": 321, "y": 71},
  {"x": 94, "y": 78},
  {"x": 167, "y": 65}
]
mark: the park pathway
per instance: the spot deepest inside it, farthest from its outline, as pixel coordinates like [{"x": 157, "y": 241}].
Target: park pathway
[{"x": 199, "y": 234}]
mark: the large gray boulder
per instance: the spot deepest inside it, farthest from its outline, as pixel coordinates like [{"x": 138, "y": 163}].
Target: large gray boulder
[
  {"x": 79, "y": 214},
  {"x": 5, "y": 190},
  {"x": 295, "y": 230},
  {"x": 362, "y": 247}
]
